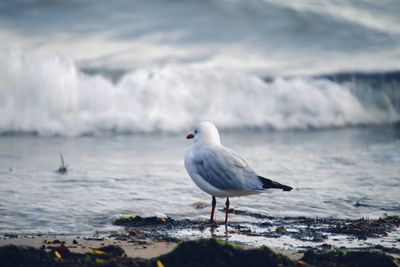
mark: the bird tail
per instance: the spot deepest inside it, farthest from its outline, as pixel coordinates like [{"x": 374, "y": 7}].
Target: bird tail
[{"x": 267, "y": 183}]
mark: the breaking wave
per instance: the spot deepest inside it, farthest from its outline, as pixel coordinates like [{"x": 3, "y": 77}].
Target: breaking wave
[{"x": 51, "y": 96}]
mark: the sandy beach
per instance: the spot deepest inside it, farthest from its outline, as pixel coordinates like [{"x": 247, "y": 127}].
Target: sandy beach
[
  {"x": 66, "y": 251},
  {"x": 132, "y": 249},
  {"x": 152, "y": 239}
]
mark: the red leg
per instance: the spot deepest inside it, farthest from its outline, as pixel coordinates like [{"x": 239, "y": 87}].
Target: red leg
[
  {"x": 213, "y": 203},
  {"x": 226, "y": 210}
]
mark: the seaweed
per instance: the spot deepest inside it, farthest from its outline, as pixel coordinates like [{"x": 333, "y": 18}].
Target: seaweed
[
  {"x": 300, "y": 228},
  {"x": 138, "y": 221},
  {"x": 343, "y": 257},
  {"x": 203, "y": 252},
  {"x": 212, "y": 252},
  {"x": 62, "y": 256}
]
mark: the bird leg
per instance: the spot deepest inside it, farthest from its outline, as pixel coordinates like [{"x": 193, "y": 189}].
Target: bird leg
[
  {"x": 213, "y": 203},
  {"x": 226, "y": 210}
]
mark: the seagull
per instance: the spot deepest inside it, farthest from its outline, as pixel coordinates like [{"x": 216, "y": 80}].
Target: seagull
[{"x": 221, "y": 172}]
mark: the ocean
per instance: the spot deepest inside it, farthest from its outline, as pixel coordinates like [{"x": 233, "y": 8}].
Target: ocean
[{"x": 307, "y": 91}]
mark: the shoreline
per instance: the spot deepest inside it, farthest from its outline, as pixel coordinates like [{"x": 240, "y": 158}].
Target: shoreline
[
  {"x": 66, "y": 251},
  {"x": 150, "y": 238},
  {"x": 77, "y": 244}
]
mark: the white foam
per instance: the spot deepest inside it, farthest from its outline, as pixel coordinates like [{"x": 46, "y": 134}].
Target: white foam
[{"x": 49, "y": 95}]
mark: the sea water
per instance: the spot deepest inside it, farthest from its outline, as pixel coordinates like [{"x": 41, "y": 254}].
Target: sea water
[{"x": 341, "y": 173}]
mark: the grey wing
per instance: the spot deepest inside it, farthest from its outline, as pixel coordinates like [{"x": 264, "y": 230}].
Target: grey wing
[{"x": 226, "y": 170}]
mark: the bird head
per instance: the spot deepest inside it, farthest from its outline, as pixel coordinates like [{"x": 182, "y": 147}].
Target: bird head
[{"x": 205, "y": 133}]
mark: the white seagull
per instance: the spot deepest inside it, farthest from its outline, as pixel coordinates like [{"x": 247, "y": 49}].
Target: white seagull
[{"x": 221, "y": 172}]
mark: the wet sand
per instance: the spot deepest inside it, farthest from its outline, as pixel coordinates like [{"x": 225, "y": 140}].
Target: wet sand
[
  {"x": 151, "y": 238},
  {"x": 132, "y": 248},
  {"x": 140, "y": 249},
  {"x": 38, "y": 251}
]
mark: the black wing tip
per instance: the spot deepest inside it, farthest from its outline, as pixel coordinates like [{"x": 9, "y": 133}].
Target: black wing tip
[
  {"x": 287, "y": 188},
  {"x": 267, "y": 183}
]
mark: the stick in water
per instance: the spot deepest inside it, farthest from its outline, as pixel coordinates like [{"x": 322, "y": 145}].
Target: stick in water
[{"x": 62, "y": 168}]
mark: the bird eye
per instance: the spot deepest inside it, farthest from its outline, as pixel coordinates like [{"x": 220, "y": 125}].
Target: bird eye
[{"x": 195, "y": 131}]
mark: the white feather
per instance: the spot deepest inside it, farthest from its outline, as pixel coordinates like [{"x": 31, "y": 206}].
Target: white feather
[{"x": 216, "y": 169}]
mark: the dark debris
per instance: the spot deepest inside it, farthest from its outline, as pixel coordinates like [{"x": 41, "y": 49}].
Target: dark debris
[
  {"x": 205, "y": 252},
  {"x": 300, "y": 228}
]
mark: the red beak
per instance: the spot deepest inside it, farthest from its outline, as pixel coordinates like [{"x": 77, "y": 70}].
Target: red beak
[{"x": 190, "y": 136}]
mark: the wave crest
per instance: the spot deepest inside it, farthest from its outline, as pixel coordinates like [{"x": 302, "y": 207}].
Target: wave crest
[{"x": 51, "y": 96}]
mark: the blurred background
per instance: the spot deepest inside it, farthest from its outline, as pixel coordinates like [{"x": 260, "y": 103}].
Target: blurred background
[
  {"x": 162, "y": 65},
  {"x": 308, "y": 91}
]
